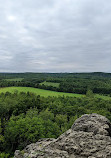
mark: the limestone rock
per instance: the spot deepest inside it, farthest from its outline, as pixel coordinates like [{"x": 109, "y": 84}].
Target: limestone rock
[{"x": 89, "y": 137}]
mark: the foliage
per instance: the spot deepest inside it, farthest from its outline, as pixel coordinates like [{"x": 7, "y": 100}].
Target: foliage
[
  {"x": 4, "y": 155},
  {"x": 89, "y": 93},
  {"x": 23, "y": 130},
  {"x": 28, "y": 113}
]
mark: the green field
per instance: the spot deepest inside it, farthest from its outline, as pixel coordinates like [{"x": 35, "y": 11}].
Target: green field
[
  {"x": 38, "y": 91},
  {"x": 14, "y": 79},
  {"x": 46, "y": 93},
  {"x": 50, "y": 84}
]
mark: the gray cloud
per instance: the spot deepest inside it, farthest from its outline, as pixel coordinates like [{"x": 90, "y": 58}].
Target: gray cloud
[{"x": 55, "y": 36}]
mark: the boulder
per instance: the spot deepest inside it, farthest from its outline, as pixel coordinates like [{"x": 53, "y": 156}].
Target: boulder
[{"x": 89, "y": 137}]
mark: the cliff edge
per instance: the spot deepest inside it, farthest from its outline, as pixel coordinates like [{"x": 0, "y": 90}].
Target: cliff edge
[{"x": 89, "y": 137}]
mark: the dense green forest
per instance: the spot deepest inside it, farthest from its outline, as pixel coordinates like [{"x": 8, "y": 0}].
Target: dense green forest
[{"x": 27, "y": 117}]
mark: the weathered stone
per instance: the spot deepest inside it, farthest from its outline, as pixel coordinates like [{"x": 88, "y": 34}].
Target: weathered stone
[
  {"x": 89, "y": 137},
  {"x": 18, "y": 154}
]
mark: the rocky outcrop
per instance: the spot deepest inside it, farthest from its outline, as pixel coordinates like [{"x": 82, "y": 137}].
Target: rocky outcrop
[{"x": 89, "y": 137}]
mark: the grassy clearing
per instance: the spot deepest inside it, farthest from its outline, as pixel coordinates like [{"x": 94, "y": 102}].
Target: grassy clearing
[
  {"x": 46, "y": 93},
  {"x": 50, "y": 84},
  {"x": 38, "y": 91},
  {"x": 14, "y": 79}
]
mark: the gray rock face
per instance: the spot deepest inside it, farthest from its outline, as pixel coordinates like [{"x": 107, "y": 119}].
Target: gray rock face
[{"x": 89, "y": 137}]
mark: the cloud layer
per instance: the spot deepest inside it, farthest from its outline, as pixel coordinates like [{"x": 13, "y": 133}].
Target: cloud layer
[{"x": 55, "y": 35}]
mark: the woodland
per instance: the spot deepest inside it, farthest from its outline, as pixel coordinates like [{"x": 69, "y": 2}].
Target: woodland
[{"x": 25, "y": 117}]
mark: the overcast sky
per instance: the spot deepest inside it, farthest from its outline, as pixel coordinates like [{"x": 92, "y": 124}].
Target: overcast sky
[{"x": 55, "y": 35}]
